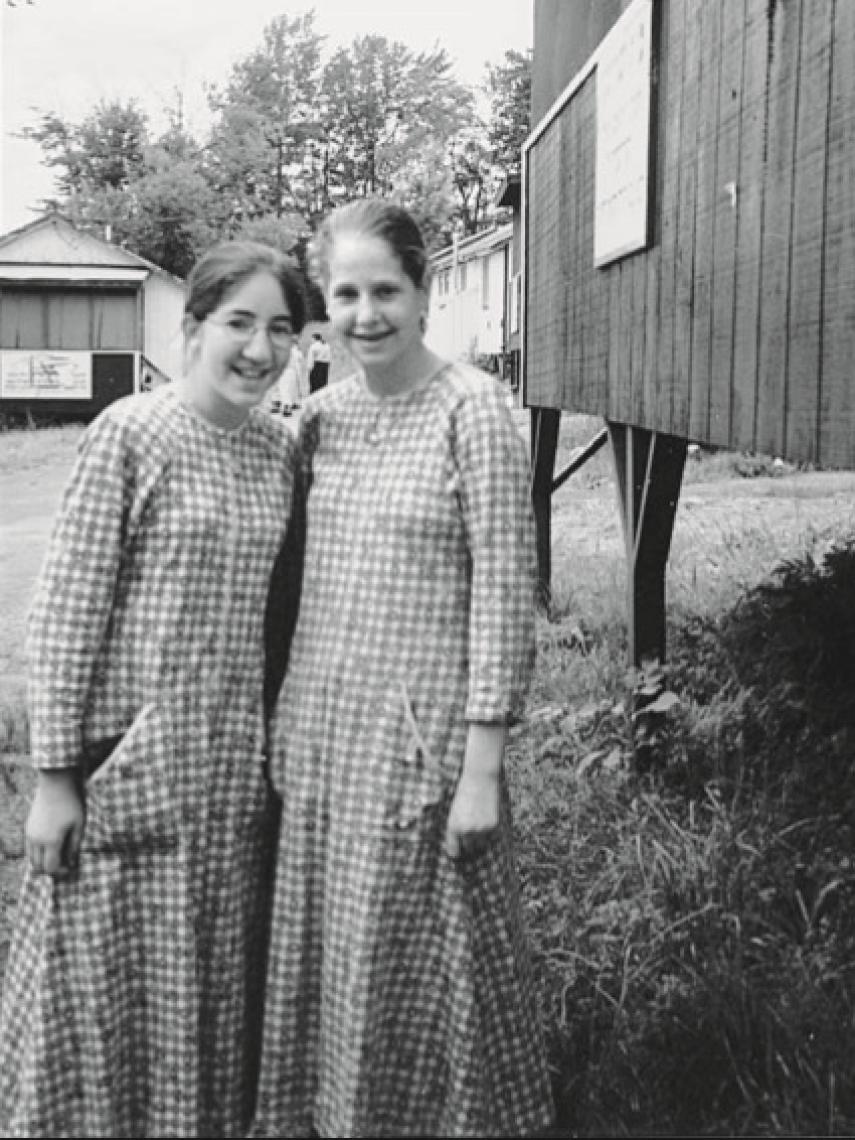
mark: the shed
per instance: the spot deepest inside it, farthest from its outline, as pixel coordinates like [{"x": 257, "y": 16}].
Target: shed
[
  {"x": 689, "y": 233},
  {"x": 82, "y": 321}
]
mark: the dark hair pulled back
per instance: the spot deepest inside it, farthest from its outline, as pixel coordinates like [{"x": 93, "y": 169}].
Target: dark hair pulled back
[
  {"x": 373, "y": 217},
  {"x": 226, "y": 266}
]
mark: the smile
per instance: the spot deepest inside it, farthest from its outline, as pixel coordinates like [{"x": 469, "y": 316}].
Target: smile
[{"x": 252, "y": 377}]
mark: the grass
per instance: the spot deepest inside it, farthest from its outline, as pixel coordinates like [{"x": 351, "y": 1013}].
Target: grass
[
  {"x": 26, "y": 449},
  {"x": 694, "y": 923},
  {"x": 14, "y": 727}
]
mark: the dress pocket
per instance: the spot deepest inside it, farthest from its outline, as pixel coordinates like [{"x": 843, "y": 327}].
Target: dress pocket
[
  {"x": 419, "y": 780},
  {"x": 130, "y": 803}
]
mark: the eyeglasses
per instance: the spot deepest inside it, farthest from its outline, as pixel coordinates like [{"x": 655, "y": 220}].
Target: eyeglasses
[{"x": 242, "y": 329}]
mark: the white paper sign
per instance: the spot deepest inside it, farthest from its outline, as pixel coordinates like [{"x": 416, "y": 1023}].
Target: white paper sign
[
  {"x": 46, "y": 375},
  {"x": 621, "y": 173}
]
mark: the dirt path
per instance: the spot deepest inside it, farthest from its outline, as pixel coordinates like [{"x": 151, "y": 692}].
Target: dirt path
[{"x": 28, "y": 504}]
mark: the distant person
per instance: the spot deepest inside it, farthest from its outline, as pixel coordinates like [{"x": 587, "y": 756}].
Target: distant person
[
  {"x": 400, "y": 999},
  {"x": 287, "y": 393},
  {"x": 318, "y": 363},
  {"x": 132, "y": 990},
  {"x": 292, "y": 382}
]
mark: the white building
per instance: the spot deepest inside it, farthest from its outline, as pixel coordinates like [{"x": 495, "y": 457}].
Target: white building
[
  {"x": 82, "y": 321},
  {"x": 469, "y": 310}
]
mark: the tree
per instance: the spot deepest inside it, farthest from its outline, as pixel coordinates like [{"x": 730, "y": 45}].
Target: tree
[
  {"x": 267, "y": 115},
  {"x": 174, "y": 216},
  {"x": 168, "y": 214},
  {"x": 104, "y": 150},
  {"x": 482, "y": 153},
  {"x": 425, "y": 188},
  {"x": 471, "y": 176},
  {"x": 284, "y": 233},
  {"x": 509, "y": 87},
  {"x": 384, "y": 106},
  {"x": 150, "y": 197}
]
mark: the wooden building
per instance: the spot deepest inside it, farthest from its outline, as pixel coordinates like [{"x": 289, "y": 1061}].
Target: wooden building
[
  {"x": 82, "y": 322},
  {"x": 689, "y": 236}
]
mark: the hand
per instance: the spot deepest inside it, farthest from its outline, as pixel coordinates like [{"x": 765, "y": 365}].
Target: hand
[
  {"x": 54, "y": 829},
  {"x": 474, "y": 814}
]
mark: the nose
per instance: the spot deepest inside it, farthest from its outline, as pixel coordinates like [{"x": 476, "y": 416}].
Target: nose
[
  {"x": 365, "y": 309},
  {"x": 259, "y": 346}
]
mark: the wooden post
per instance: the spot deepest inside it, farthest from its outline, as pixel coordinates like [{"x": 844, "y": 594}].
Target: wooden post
[
  {"x": 544, "y": 444},
  {"x": 649, "y": 470}
]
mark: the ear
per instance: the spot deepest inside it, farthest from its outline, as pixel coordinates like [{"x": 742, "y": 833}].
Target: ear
[{"x": 189, "y": 327}]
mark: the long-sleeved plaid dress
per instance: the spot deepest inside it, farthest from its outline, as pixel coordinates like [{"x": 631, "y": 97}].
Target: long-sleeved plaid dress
[
  {"x": 132, "y": 987},
  {"x": 399, "y": 997}
]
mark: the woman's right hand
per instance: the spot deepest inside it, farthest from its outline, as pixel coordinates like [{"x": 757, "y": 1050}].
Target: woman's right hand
[{"x": 54, "y": 829}]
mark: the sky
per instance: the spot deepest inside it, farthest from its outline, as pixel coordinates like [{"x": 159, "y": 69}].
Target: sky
[{"x": 64, "y": 56}]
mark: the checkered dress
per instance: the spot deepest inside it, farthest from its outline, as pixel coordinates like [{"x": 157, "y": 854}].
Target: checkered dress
[
  {"x": 399, "y": 999},
  {"x": 131, "y": 998}
]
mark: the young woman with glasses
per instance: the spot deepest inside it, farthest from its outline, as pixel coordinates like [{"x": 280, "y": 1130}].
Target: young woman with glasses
[{"x": 131, "y": 995}]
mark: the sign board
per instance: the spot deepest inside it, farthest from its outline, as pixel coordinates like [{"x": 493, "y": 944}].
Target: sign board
[
  {"x": 622, "y": 164},
  {"x": 46, "y": 375}
]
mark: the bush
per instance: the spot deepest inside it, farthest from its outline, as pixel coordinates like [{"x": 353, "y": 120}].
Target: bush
[{"x": 695, "y": 924}]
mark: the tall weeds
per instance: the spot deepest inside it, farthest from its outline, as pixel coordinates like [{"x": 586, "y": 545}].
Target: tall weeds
[{"x": 695, "y": 925}]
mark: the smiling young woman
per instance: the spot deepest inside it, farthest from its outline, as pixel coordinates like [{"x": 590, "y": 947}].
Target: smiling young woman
[
  {"x": 399, "y": 998},
  {"x": 378, "y": 311},
  {"x": 237, "y": 349},
  {"x": 130, "y": 1001}
]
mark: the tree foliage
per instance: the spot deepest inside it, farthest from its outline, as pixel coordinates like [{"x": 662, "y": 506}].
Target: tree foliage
[
  {"x": 384, "y": 105},
  {"x": 265, "y": 115},
  {"x": 284, "y": 233},
  {"x": 509, "y": 86},
  {"x": 471, "y": 177},
  {"x": 291, "y": 137},
  {"x": 149, "y": 195},
  {"x": 104, "y": 150}
]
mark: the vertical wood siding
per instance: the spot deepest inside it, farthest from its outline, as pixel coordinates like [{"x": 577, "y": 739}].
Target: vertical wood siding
[{"x": 737, "y": 325}]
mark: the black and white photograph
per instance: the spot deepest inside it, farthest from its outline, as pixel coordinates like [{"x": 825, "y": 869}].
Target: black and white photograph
[{"x": 427, "y": 568}]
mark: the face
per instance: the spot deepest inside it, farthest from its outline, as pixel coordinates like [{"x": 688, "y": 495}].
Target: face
[
  {"x": 374, "y": 306},
  {"x": 238, "y": 351}
]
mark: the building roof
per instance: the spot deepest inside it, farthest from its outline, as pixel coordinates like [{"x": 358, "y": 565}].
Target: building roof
[
  {"x": 476, "y": 245},
  {"x": 52, "y": 247}
]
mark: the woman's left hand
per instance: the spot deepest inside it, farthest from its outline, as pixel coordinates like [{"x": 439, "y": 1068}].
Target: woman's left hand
[{"x": 474, "y": 815}]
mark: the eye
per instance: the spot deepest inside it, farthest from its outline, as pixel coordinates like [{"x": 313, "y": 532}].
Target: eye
[
  {"x": 386, "y": 291},
  {"x": 282, "y": 328},
  {"x": 240, "y": 324},
  {"x": 344, "y": 293}
]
